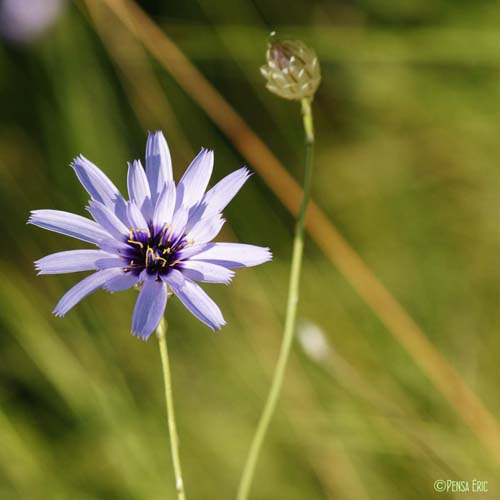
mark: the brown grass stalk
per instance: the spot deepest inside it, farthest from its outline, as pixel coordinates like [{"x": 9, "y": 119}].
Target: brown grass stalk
[{"x": 390, "y": 312}]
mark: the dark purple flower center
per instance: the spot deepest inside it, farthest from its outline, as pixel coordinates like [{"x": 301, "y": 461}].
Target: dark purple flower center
[{"x": 153, "y": 249}]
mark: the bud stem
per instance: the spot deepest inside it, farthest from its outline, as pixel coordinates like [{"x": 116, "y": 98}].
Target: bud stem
[
  {"x": 291, "y": 311},
  {"x": 307, "y": 119}
]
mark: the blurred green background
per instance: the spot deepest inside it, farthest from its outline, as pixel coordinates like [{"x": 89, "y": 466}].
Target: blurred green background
[{"x": 408, "y": 168}]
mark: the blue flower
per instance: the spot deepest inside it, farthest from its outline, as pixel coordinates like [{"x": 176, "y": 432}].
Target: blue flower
[{"x": 160, "y": 238}]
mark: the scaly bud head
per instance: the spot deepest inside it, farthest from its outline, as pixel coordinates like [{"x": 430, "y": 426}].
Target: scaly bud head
[{"x": 292, "y": 69}]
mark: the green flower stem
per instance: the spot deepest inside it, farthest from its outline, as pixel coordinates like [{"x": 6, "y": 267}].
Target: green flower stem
[
  {"x": 291, "y": 312},
  {"x": 161, "y": 333}
]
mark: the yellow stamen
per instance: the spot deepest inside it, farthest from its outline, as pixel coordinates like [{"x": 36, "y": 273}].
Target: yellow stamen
[
  {"x": 166, "y": 250},
  {"x": 149, "y": 251},
  {"x": 174, "y": 263},
  {"x": 136, "y": 243},
  {"x": 163, "y": 261},
  {"x": 131, "y": 238},
  {"x": 163, "y": 231}
]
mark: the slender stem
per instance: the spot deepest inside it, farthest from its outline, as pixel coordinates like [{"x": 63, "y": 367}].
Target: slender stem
[
  {"x": 161, "y": 333},
  {"x": 291, "y": 312}
]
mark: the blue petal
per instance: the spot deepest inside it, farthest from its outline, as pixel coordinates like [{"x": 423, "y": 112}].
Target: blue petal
[
  {"x": 198, "y": 270},
  {"x": 194, "y": 182},
  {"x": 70, "y": 261},
  {"x": 230, "y": 255},
  {"x": 224, "y": 191},
  {"x": 196, "y": 300},
  {"x": 206, "y": 229},
  {"x": 175, "y": 277},
  {"x": 138, "y": 188},
  {"x": 68, "y": 224},
  {"x": 114, "y": 246},
  {"x": 179, "y": 220},
  {"x": 136, "y": 218},
  {"x": 190, "y": 250},
  {"x": 149, "y": 308},
  {"x": 98, "y": 185},
  {"x": 158, "y": 164},
  {"x": 146, "y": 276},
  {"x": 110, "y": 262},
  {"x": 108, "y": 220},
  {"x": 165, "y": 204},
  {"x": 121, "y": 282},
  {"x": 84, "y": 288}
]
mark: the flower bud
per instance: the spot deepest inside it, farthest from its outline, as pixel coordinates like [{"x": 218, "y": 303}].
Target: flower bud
[{"x": 292, "y": 69}]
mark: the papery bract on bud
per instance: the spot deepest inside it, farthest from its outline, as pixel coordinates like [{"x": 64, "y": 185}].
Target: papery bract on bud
[{"x": 292, "y": 69}]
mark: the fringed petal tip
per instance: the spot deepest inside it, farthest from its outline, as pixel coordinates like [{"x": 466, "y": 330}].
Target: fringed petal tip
[
  {"x": 58, "y": 313},
  {"x": 241, "y": 176},
  {"x": 246, "y": 172},
  {"x": 153, "y": 133},
  {"x": 229, "y": 278},
  {"x": 35, "y": 216},
  {"x": 215, "y": 327},
  {"x": 267, "y": 255},
  {"x": 227, "y": 281},
  {"x": 141, "y": 336},
  {"x": 209, "y": 154},
  {"x": 204, "y": 150},
  {"x": 218, "y": 327},
  {"x": 38, "y": 267},
  {"x": 77, "y": 160}
]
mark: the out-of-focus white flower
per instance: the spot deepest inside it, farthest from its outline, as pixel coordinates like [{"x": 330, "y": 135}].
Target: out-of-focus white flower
[
  {"x": 313, "y": 341},
  {"x": 22, "y": 21}
]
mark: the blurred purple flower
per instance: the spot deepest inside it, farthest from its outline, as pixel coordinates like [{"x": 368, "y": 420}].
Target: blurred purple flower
[
  {"x": 160, "y": 237},
  {"x": 24, "y": 20}
]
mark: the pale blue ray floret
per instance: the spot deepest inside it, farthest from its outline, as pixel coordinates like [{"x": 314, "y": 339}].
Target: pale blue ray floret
[{"x": 160, "y": 238}]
